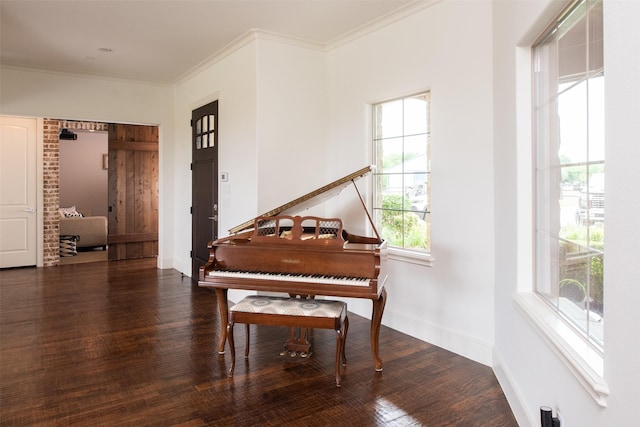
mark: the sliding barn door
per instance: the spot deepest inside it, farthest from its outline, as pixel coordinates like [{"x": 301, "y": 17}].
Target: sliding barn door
[{"x": 133, "y": 191}]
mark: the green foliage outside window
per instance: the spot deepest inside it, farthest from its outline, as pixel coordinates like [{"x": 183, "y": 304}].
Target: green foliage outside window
[
  {"x": 400, "y": 226},
  {"x": 581, "y": 263}
]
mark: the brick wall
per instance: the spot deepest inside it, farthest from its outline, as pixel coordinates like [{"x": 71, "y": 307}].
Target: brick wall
[
  {"x": 51, "y": 183},
  {"x": 51, "y": 191}
]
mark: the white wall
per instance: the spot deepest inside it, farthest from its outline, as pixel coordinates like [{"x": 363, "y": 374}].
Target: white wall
[
  {"x": 529, "y": 370},
  {"x": 291, "y": 121},
  {"x": 232, "y": 82},
  {"x": 451, "y": 303},
  {"x": 60, "y": 96}
]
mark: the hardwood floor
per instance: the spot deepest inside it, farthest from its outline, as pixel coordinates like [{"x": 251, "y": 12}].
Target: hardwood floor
[{"x": 123, "y": 343}]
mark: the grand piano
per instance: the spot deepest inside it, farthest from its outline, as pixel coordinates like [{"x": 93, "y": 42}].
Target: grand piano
[{"x": 309, "y": 256}]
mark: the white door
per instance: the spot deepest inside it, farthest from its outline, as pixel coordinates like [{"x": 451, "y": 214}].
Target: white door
[{"x": 18, "y": 186}]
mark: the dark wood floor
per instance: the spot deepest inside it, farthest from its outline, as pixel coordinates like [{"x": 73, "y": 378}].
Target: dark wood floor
[{"x": 123, "y": 343}]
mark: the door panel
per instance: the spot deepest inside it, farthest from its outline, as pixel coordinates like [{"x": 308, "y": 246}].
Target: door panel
[
  {"x": 204, "y": 193},
  {"x": 133, "y": 191},
  {"x": 18, "y": 198}
]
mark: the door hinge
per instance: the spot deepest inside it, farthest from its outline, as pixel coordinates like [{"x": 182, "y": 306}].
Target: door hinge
[
  {"x": 191, "y": 123},
  {"x": 191, "y": 210},
  {"x": 190, "y": 254}
]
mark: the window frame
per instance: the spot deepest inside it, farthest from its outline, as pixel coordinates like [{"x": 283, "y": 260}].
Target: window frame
[
  {"x": 582, "y": 359},
  {"x": 402, "y": 253},
  {"x": 554, "y": 78}
]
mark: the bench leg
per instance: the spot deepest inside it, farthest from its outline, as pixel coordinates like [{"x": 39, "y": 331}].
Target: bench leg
[
  {"x": 232, "y": 347},
  {"x": 344, "y": 343},
  {"x": 341, "y": 337},
  {"x": 246, "y": 346}
]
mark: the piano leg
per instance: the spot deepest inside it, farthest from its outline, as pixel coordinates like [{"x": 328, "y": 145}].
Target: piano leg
[
  {"x": 376, "y": 320},
  {"x": 223, "y": 309}
]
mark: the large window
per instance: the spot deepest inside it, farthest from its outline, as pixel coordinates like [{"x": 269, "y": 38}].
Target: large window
[
  {"x": 402, "y": 202},
  {"x": 568, "y": 73}
]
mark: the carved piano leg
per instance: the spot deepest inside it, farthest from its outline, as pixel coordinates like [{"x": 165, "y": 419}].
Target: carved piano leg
[
  {"x": 232, "y": 348},
  {"x": 223, "y": 309},
  {"x": 376, "y": 320}
]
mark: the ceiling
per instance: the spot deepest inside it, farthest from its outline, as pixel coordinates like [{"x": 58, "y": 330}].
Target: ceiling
[{"x": 161, "y": 41}]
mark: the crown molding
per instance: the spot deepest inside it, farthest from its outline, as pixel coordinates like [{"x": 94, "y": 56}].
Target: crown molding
[
  {"x": 257, "y": 34},
  {"x": 254, "y": 34},
  {"x": 384, "y": 21},
  {"x": 82, "y": 75}
]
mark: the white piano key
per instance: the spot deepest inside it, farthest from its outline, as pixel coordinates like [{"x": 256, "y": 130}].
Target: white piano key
[{"x": 306, "y": 278}]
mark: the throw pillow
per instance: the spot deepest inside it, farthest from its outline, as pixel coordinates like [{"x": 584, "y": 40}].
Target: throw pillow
[{"x": 70, "y": 212}]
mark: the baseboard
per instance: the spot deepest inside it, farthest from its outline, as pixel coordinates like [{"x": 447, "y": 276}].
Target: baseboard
[{"x": 511, "y": 392}]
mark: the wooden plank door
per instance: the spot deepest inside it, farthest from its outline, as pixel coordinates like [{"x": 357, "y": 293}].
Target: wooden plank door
[{"x": 133, "y": 191}]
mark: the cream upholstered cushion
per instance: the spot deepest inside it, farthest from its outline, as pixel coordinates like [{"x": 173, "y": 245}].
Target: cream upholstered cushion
[
  {"x": 92, "y": 230},
  {"x": 289, "y": 306}
]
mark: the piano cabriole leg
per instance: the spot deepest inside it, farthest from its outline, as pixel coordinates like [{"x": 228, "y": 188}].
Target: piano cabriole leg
[
  {"x": 376, "y": 320},
  {"x": 339, "y": 351},
  {"x": 223, "y": 309}
]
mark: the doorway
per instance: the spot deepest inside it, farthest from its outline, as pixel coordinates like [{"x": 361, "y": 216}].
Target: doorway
[
  {"x": 204, "y": 176},
  {"x": 83, "y": 187}
]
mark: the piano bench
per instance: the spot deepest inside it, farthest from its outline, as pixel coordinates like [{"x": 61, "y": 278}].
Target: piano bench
[{"x": 291, "y": 312}]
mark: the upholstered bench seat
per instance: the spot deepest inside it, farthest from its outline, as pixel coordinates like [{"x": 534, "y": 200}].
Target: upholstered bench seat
[{"x": 291, "y": 312}]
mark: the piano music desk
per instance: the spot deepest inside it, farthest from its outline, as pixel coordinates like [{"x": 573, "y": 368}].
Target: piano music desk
[{"x": 291, "y": 312}]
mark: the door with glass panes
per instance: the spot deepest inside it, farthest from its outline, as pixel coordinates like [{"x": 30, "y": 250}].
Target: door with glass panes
[{"x": 204, "y": 175}]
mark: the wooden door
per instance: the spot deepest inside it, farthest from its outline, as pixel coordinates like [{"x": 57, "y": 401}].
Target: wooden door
[
  {"x": 133, "y": 191},
  {"x": 204, "y": 192},
  {"x": 18, "y": 192}
]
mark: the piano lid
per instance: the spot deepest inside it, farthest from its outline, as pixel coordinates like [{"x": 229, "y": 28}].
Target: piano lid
[{"x": 309, "y": 200}]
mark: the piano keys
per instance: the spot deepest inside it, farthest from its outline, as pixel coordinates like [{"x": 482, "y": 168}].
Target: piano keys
[
  {"x": 300, "y": 255},
  {"x": 308, "y": 278}
]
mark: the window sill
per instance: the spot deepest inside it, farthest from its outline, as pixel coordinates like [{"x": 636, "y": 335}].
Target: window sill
[
  {"x": 583, "y": 361},
  {"x": 413, "y": 257}
]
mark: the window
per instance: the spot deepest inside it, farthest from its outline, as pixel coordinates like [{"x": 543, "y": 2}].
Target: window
[
  {"x": 402, "y": 182},
  {"x": 569, "y": 197}
]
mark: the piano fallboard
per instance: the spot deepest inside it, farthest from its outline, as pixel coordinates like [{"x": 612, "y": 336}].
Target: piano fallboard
[{"x": 351, "y": 262}]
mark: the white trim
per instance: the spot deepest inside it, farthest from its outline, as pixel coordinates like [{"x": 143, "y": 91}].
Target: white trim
[
  {"x": 40, "y": 192},
  {"x": 246, "y": 38},
  {"x": 584, "y": 362},
  {"x": 463, "y": 344},
  {"x": 509, "y": 385},
  {"x": 413, "y": 257},
  {"x": 259, "y": 34},
  {"x": 375, "y": 25}
]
